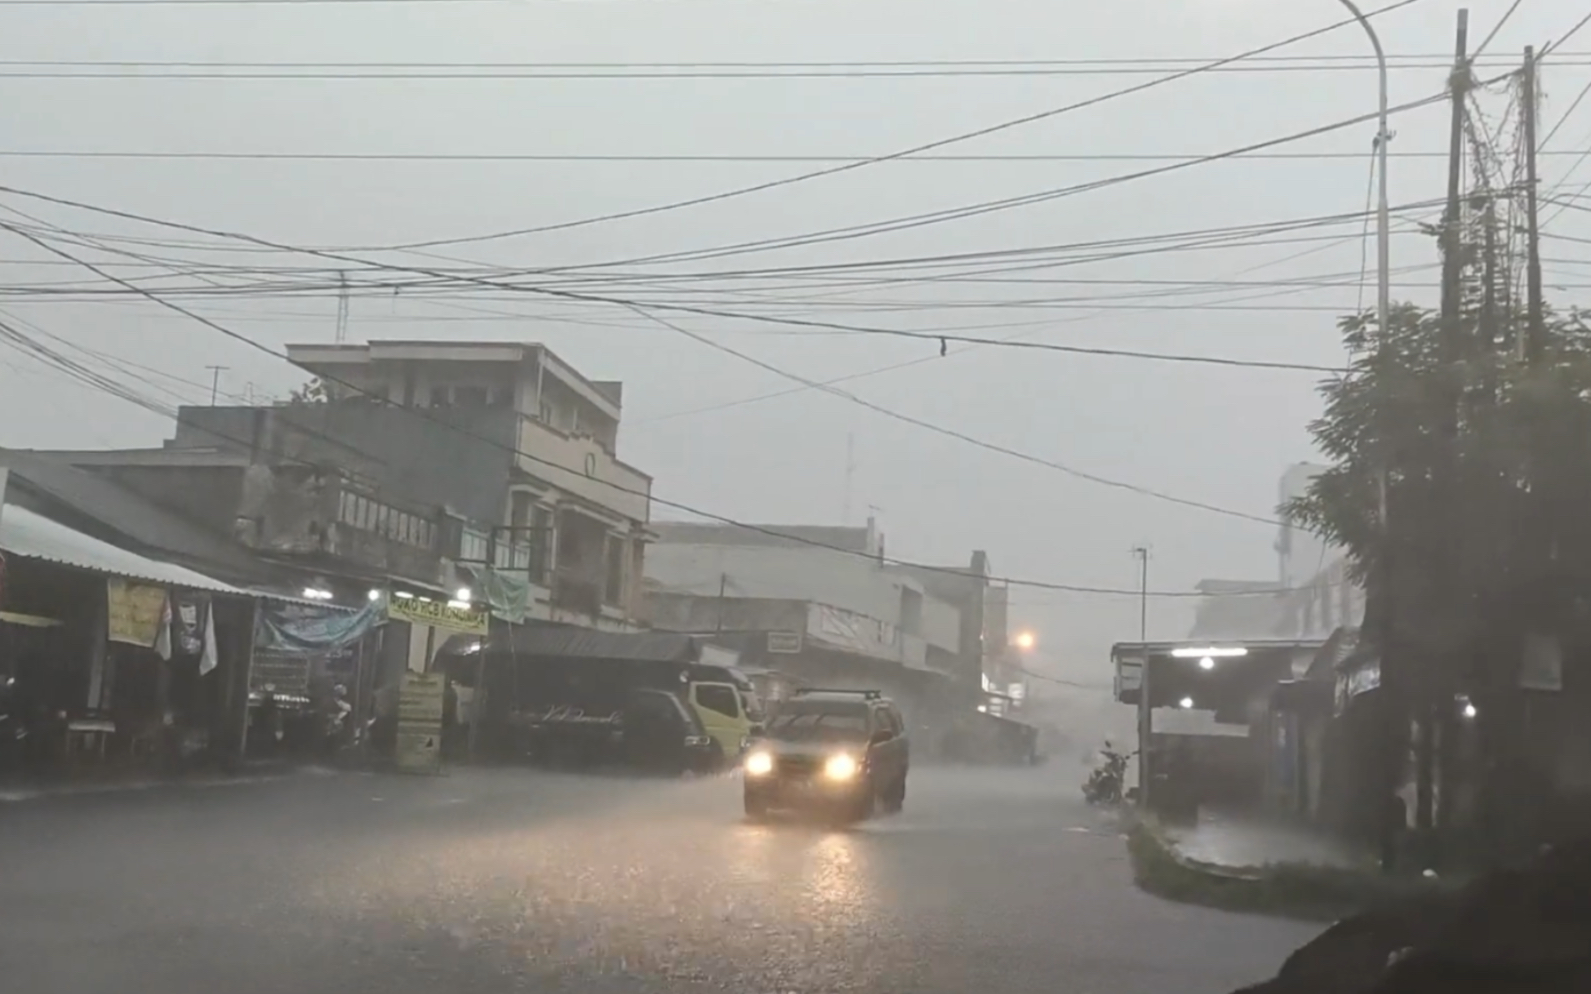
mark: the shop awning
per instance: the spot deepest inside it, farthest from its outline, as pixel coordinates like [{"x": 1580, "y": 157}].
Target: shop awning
[{"x": 32, "y": 536}]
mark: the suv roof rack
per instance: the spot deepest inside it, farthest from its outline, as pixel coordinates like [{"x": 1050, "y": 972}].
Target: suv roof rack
[{"x": 872, "y": 695}]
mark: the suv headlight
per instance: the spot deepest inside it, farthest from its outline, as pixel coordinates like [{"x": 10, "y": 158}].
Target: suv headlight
[
  {"x": 759, "y": 764},
  {"x": 840, "y": 767}
]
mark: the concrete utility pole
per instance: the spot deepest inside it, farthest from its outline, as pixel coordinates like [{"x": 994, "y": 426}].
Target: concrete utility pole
[
  {"x": 1536, "y": 332},
  {"x": 850, "y": 477},
  {"x": 1141, "y": 553},
  {"x": 1145, "y": 706}
]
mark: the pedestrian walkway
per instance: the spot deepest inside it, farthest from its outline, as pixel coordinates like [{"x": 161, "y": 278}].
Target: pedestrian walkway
[{"x": 1238, "y": 840}]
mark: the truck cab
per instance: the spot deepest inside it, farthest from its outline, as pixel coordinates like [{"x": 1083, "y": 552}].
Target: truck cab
[{"x": 727, "y": 705}]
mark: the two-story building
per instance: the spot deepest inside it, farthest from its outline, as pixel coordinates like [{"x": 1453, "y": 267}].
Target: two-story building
[
  {"x": 542, "y": 467},
  {"x": 427, "y": 462}
]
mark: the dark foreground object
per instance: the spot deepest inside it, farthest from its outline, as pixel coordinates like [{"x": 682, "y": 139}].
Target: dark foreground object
[{"x": 1524, "y": 931}]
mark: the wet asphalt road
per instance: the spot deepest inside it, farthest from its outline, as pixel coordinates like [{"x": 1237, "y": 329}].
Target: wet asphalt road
[{"x": 504, "y": 880}]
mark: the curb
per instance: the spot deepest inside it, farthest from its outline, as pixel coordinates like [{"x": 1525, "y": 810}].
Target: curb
[
  {"x": 1286, "y": 890},
  {"x": 244, "y": 775}
]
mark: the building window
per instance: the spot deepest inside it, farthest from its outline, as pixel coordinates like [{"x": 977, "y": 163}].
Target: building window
[
  {"x": 473, "y": 546},
  {"x": 613, "y": 589},
  {"x": 520, "y": 512}
]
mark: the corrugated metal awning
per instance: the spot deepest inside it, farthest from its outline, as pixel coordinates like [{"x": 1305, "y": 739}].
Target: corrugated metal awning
[{"x": 32, "y": 536}]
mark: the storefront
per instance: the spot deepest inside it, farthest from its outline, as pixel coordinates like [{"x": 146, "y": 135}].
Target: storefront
[{"x": 112, "y": 660}]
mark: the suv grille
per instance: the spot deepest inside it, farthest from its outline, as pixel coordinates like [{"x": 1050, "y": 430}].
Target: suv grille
[{"x": 798, "y": 766}]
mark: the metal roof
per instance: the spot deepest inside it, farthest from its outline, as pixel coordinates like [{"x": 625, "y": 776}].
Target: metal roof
[
  {"x": 571, "y": 642},
  {"x": 145, "y": 524},
  {"x": 1138, "y": 649},
  {"x": 33, "y": 536}
]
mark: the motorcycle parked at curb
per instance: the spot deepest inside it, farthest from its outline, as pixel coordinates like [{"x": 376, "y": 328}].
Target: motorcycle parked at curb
[{"x": 1105, "y": 784}]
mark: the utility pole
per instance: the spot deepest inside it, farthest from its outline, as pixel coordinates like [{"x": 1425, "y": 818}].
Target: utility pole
[
  {"x": 1141, "y": 553},
  {"x": 723, "y": 589},
  {"x": 850, "y": 477},
  {"x": 1452, "y": 257},
  {"x": 1420, "y": 697},
  {"x": 1145, "y": 705},
  {"x": 215, "y": 382},
  {"x": 1535, "y": 330},
  {"x": 341, "y": 335}
]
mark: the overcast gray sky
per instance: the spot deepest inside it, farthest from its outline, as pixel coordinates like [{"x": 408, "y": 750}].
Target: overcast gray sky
[{"x": 1207, "y": 433}]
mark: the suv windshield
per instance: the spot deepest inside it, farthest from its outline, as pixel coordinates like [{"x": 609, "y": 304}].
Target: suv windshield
[{"x": 819, "y": 723}]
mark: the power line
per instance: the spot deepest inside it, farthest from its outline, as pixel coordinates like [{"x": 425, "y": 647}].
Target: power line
[
  {"x": 828, "y": 388},
  {"x": 1431, "y": 60},
  {"x": 986, "y": 207},
  {"x": 466, "y": 72},
  {"x": 1578, "y": 27},
  {"x": 1479, "y": 49},
  {"x": 256, "y": 3},
  {"x": 914, "y": 150},
  {"x": 318, "y": 156},
  {"x": 519, "y": 453},
  {"x": 1095, "y": 250},
  {"x": 939, "y": 338}
]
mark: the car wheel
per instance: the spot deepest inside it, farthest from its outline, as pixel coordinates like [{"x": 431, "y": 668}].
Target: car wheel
[
  {"x": 756, "y": 806},
  {"x": 897, "y": 796},
  {"x": 867, "y": 803}
]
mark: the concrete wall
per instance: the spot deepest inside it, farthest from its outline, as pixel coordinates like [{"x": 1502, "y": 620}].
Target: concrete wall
[
  {"x": 457, "y": 458},
  {"x": 209, "y": 496},
  {"x": 582, "y": 466},
  {"x": 692, "y": 613}
]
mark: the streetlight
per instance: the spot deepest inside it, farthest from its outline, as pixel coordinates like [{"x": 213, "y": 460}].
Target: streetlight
[
  {"x": 1025, "y": 641},
  {"x": 1383, "y": 216},
  {"x": 1383, "y": 309}
]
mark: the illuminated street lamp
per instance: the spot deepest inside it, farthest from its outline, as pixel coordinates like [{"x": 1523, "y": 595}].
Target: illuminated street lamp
[{"x": 1024, "y": 641}]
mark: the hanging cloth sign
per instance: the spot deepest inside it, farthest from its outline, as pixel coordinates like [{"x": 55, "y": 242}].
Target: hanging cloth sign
[{"x": 135, "y": 612}]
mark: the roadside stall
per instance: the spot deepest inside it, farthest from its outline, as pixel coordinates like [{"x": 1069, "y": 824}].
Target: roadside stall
[
  {"x": 311, "y": 676},
  {"x": 113, "y": 658}
]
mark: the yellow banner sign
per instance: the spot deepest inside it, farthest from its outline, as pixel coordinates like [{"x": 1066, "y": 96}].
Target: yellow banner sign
[
  {"x": 135, "y": 612},
  {"x": 454, "y": 619}
]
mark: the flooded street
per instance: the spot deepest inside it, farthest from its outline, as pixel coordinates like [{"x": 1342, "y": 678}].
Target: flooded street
[{"x": 501, "y": 880}]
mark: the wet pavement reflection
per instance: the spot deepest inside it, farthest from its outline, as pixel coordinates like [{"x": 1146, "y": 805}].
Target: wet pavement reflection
[{"x": 508, "y": 880}]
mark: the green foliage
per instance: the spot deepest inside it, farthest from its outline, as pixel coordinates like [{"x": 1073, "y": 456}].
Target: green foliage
[{"x": 1486, "y": 463}]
